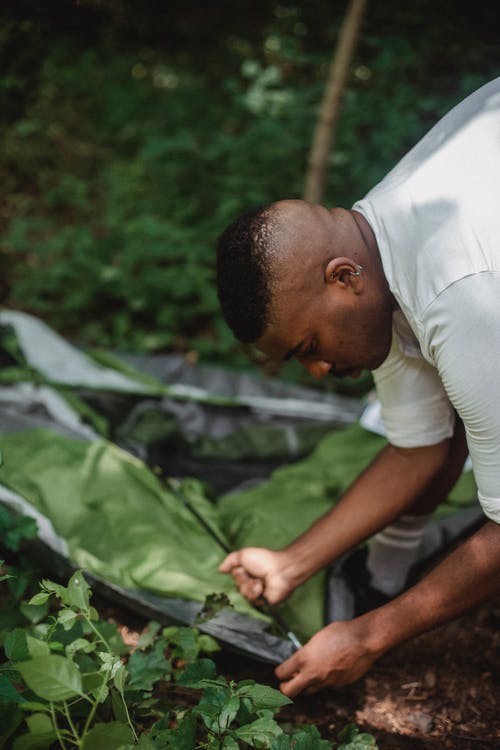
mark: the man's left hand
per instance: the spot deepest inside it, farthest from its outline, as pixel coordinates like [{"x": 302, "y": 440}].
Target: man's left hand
[{"x": 337, "y": 655}]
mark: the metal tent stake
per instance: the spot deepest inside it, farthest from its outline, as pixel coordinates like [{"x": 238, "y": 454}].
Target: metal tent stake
[{"x": 174, "y": 487}]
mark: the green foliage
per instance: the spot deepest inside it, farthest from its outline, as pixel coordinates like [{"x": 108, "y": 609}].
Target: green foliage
[
  {"x": 213, "y": 604},
  {"x": 68, "y": 682},
  {"x": 352, "y": 739},
  {"x": 14, "y": 529},
  {"x": 125, "y": 154}
]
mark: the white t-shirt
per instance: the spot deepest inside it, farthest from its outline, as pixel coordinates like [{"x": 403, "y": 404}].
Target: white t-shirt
[{"x": 436, "y": 218}]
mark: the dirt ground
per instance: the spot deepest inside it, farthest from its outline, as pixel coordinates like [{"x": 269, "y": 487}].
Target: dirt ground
[{"x": 436, "y": 692}]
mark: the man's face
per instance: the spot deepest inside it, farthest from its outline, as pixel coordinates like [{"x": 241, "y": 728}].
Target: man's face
[
  {"x": 339, "y": 324},
  {"x": 338, "y": 337}
]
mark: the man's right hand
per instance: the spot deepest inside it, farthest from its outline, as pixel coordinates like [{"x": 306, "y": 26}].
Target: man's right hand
[{"x": 259, "y": 572}]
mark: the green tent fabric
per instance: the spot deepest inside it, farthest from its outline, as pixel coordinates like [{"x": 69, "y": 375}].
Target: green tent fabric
[
  {"x": 123, "y": 525},
  {"x": 118, "y": 520},
  {"x": 275, "y": 512}
]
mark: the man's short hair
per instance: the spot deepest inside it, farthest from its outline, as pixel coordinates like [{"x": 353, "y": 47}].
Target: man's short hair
[{"x": 244, "y": 253}]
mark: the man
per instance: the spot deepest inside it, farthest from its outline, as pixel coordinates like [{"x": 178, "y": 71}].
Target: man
[{"x": 406, "y": 284}]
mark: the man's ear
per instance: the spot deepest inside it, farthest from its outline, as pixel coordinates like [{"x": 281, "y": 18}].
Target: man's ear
[{"x": 344, "y": 272}]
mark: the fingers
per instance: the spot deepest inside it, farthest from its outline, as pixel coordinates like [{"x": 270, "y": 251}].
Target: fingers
[
  {"x": 293, "y": 687},
  {"x": 292, "y": 676},
  {"x": 231, "y": 561},
  {"x": 287, "y": 669},
  {"x": 318, "y": 665},
  {"x": 250, "y": 587}
]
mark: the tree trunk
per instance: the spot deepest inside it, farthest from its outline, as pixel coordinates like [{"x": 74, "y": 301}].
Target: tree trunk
[{"x": 330, "y": 106}]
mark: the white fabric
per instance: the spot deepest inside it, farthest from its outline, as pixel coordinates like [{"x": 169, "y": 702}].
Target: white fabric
[
  {"x": 436, "y": 219},
  {"x": 371, "y": 420},
  {"x": 392, "y": 552}
]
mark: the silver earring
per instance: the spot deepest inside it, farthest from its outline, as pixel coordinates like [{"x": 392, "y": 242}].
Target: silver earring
[
  {"x": 353, "y": 273},
  {"x": 358, "y": 272}
]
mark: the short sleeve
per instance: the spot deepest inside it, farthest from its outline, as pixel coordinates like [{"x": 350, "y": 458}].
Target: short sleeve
[
  {"x": 414, "y": 405},
  {"x": 463, "y": 337}
]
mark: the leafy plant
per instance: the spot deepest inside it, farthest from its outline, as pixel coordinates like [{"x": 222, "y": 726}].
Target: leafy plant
[
  {"x": 70, "y": 682},
  {"x": 14, "y": 529}
]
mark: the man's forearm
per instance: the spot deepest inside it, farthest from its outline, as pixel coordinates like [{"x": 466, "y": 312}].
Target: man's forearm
[
  {"x": 440, "y": 486},
  {"x": 388, "y": 486},
  {"x": 342, "y": 651},
  {"x": 466, "y": 578}
]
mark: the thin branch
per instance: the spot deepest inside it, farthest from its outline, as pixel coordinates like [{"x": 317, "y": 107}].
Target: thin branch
[{"x": 337, "y": 77}]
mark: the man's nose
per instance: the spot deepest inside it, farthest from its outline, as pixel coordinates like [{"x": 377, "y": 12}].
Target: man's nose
[{"x": 317, "y": 368}]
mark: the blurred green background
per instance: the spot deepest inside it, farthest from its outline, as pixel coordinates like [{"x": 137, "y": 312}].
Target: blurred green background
[{"x": 134, "y": 132}]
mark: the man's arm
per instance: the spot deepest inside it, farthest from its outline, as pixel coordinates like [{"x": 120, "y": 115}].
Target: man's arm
[
  {"x": 341, "y": 652},
  {"x": 387, "y": 487}
]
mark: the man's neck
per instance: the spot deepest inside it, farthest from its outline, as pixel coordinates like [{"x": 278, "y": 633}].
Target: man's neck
[{"x": 372, "y": 250}]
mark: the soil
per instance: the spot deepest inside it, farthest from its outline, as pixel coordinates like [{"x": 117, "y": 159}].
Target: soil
[{"x": 436, "y": 692}]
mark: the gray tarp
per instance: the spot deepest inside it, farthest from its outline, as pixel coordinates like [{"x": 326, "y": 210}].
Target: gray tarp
[{"x": 225, "y": 428}]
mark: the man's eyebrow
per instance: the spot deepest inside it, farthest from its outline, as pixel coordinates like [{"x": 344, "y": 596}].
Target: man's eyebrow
[{"x": 292, "y": 352}]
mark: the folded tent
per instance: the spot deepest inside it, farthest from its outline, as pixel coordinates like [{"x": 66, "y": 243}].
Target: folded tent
[{"x": 79, "y": 434}]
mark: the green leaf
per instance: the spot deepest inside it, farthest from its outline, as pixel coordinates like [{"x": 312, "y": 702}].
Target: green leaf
[
  {"x": 146, "y": 668},
  {"x": 100, "y": 693},
  {"x": 263, "y": 696},
  {"x": 348, "y": 733},
  {"x": 308, "y": 738},
  {"x": 92, "y": 680},
  {"x": 13, "y": 529},
  {"x": 39, "y": 598},
  {"x": 40, "y": 724},
  {"x": 229, "y": 711},
  {"x": 67, "y": 618},
  {"x": 8, "y": 692},
  {"x": 213, "y": 604},
  {"x": 361, "y": 742},
  {"x": 16, "y": 645},
  {"x": 108, "y": 736},
  {"x": 36, "y": 647},
  {"x": 80, "y": 644},
  {"x": 186, "y": 639},
  {"x": 52, "y": 677},
  {"x": 119, "y": 678},
  {"x": 259, "y": 731},
  {"x": 283, "y": 742},
  {"x": 183, "y": 737},
  {"x": 149, "y": 634},
  {"x": 207, "y": 644},
  {"x": 76, "y": 595},
  {"x": 352, "y": 739},
  {"x": 212, "y": 704},
  {"x": 196, "y": 675},
  {"x": 145, "y": 743},
  {"x": 79, "y": 592},
  {"x": 35, "y": 706},
  {"x": 51, "y": 587},
  {"x": 35, "y": 741},
  {"x": 229, "y": 743},
  {"x": 111, "y": 664},
  {"x": 118, "y": 706}
]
